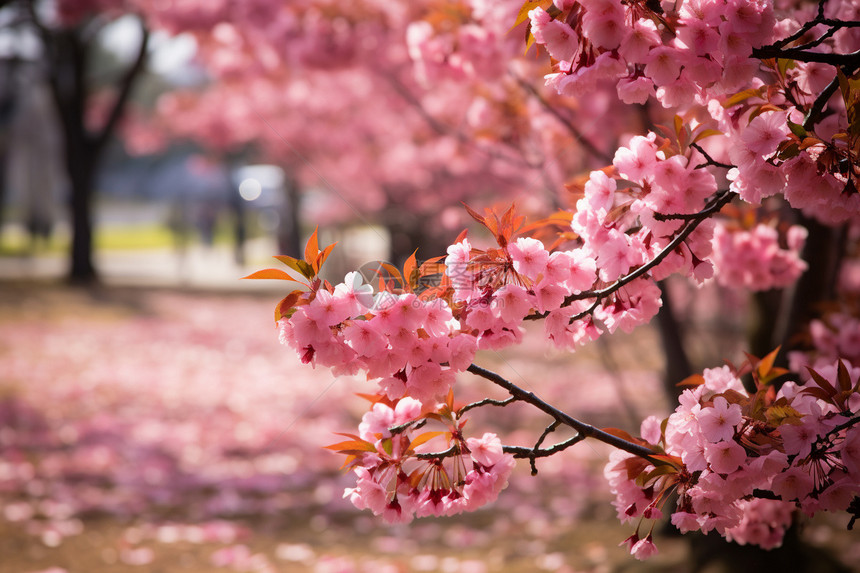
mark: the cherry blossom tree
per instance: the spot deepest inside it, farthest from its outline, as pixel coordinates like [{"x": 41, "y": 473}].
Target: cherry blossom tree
[
  {"x": 756, "y": 165},
  {"x": 344, "y": 99}
]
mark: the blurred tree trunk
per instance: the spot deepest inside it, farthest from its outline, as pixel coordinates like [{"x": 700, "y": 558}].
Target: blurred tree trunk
[
  {"x": 289, "y": 229},
  {"x": 67, "y": 60},
  {"x": 7, "y": 111},
  {"x": 678, "y": 365},
  {"x": 782, "y": 316},
  {"x": 408, "y": 233}
]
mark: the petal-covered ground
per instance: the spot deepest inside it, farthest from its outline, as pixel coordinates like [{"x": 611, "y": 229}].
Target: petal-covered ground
[{"x": 169, "y": 431}]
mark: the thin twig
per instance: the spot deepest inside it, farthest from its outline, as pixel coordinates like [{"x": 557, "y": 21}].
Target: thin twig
[
  {"x": 709, "y": 161},
  {"x": 407, "y": 425},
  {"x": 547, "y": 431},
  {"x": 532, "y": 453},
  {"x": 585, "y": 430},
  {"x": 486, "y": 402},
  {"x": 692, "y": 222}
]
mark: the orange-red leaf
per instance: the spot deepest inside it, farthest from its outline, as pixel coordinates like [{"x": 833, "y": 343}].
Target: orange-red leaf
[
  {"x": 409, "y": 270},
  {"x": 423, "y": 439},
  {"x": 312, "y": 248},
  {"x": 288, "y": 302},
  {"x": 766, "y": 364},
  {"x": 352, "y": 446},
  {"x": 323, "y": 256},
  {"x": 619, "y": 433},
  {"x": 270, "y": 274},
  {"x": 475, "y": 215},
  {"x": 693, "y": 380}
]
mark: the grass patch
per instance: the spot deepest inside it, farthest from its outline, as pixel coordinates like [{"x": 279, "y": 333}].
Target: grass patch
[{"x": 133, "y": 237}]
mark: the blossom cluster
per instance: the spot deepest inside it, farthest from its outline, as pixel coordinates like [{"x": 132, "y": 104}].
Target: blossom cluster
[
  {"x": 741, "y": 462},
  {"x": 754, "y": 259},
  {"x": 596, "y": 40},
  {"x": 398, "y": 483},
  {"x": 777, "y": 135}
]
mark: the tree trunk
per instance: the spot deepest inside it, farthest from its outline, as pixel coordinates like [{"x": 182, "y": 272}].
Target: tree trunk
[
  {"x": 82, "y": 168},
  {"x": 677, "y": 363},
  {"x": 67, "y": 57},
  {"x": 289, "y": 230}
]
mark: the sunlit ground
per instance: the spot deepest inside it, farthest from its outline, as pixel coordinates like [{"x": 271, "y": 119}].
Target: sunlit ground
[{"x": 168, "y": 431}]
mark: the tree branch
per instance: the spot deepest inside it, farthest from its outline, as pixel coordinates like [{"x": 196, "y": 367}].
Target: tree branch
[
  {"x": 522, "y": 452},
  {"x": 487, "y": 402},
  {"x": 126, "y": 86},
  {"x": 692, "y": 221},
  {"x": 708, "y": 159},
  {"x": 799, "y": 55},
  {"x": 585, "y": 430}
]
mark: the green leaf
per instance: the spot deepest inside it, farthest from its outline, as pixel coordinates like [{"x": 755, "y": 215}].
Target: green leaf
[
  {"x": 796, "y": 129},
  {"x": 306, "y": 270},
  {"x": 295, "y": 264},
  {"x": 783, "y": 64},
  {"x": 644, "y": 479}
]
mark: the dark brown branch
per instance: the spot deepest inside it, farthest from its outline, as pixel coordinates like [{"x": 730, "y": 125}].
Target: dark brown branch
[
  {"x": 413, "y": 424},
  {"x": 520, "y": 452},
  {"x": 547, "y": 431},
  {"x": 486, "y": 402},
  {"x": 709, "y": 161},
  {"x": 454, "y": 450},
  {"x": 692, "y": 221},
  {"x": 766, "y": 52},
  {"x": 533, "y": 453},
  {"x": 817, "y": 109},
  {"x": 585, "y": 430}
]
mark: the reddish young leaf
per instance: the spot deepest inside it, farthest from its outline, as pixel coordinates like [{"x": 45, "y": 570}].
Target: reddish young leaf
[
  {"x": 410, "y": 271},
  {"x": 766, "y": 364},
  {"x": 320, "y": 260},
  {"x": 423, "y": 439},
  {"x": 352, "y": 446},
  {"x": 692, "y": 380},
  {"x": 619, "y": 433},
  {"x": 475, "y": 215},
  {"x": 312, "y": 248},
  {"x": 276, "y": 274},
  {"x": 286, "y": 304},
  {"x": 822, "y": 382},
  {"x": 843, "y": 377}
]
